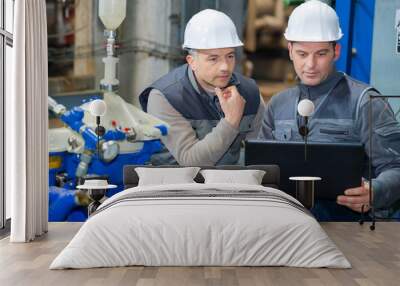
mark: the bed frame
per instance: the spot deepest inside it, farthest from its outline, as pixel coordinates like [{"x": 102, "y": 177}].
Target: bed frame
[{"x": 270, "y": 179}]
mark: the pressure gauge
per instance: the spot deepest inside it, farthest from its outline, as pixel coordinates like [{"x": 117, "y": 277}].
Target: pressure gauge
[
  {"x": 75, "y": 144},
  {"x": 109, "y": 150}
]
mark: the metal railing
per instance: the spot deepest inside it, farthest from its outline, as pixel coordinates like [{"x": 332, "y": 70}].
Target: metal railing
[{"x": 371, "y": 174}]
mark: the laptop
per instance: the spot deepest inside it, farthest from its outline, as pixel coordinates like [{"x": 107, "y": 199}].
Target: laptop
[{"x": 340, "y": 165}]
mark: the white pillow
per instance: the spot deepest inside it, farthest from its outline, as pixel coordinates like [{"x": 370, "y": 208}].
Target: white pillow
[
  {"x": 248, "y": 177},
  {"x": 164, "y": 176}
]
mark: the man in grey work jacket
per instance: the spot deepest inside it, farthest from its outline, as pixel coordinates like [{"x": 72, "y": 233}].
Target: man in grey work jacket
[
  {"x": 341, "y": 110},
  {"x": 209, "y": 108}
]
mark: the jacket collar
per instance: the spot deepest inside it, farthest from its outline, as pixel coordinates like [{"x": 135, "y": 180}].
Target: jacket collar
[{"x": 323, "y": 88}]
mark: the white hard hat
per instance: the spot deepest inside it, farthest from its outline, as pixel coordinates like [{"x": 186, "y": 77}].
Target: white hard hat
[
  {"x": 210, "y": 29},
  {"x": 313, "y": 21}
]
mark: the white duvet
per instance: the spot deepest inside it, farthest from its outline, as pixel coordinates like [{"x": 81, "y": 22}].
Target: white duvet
[{"x": 207, "y": 230}]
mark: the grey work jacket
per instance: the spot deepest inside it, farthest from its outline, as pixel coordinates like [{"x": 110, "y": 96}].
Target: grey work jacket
[{"x": 341, "y": 115}]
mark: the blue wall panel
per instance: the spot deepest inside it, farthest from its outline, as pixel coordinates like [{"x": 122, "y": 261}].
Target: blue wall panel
[{"x": 357, "y": 20}]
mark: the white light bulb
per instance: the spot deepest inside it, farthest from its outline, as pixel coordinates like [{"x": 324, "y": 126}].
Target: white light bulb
[
  {"x": 305, "y": 107},
  {"x": 98, "y": 107}
]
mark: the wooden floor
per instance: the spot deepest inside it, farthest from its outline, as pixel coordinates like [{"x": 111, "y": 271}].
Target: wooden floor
[{"x": 375, "y": 256}]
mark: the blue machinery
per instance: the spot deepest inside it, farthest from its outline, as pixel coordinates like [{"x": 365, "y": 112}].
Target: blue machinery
[
  {"x": 129, "y": 136},
  {"x": 67, "y": 168}
]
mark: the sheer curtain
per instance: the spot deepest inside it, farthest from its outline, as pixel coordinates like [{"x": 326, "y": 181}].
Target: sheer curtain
[{"x": 27, "y": 123}]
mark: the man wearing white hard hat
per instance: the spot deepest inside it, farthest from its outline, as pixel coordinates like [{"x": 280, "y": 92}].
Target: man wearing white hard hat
[
  {"x": 210, "y": 108},
  {"x": 341, "y": 109}
]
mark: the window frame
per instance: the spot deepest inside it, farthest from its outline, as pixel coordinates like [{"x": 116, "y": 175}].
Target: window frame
[{"x": 6, "y": 39}]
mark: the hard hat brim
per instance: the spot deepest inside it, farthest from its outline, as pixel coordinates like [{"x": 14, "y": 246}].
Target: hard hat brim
[
  {"x": 290, "y": 38},
  {"x": 185, "y": 47}
]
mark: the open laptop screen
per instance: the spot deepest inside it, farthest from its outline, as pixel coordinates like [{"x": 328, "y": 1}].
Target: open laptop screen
[{"x": 340, "y": 165}]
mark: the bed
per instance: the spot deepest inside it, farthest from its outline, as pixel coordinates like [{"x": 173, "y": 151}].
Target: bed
[{"x": 201, "y": 224}]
